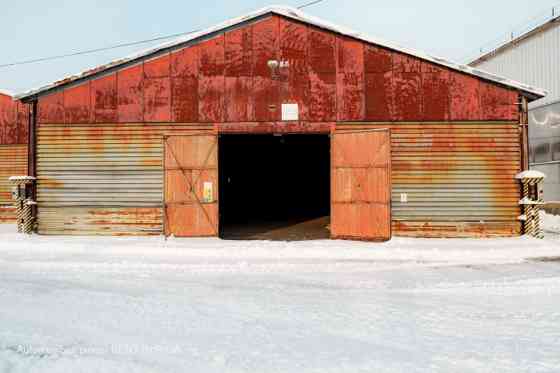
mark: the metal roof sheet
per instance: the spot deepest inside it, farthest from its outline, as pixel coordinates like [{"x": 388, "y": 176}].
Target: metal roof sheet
[{"x": 296, "y": 14}]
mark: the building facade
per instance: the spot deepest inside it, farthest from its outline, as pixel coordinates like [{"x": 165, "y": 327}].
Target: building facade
[
  {"x": 13, "y": 150},
  {"x": 534, "y": 58},
  {"x": 273, "y": 114}
]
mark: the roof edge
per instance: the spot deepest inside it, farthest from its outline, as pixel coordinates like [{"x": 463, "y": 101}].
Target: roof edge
[
  {"x": 508, "y": 44},
  {"x": 532, "y": 93},
  {"x": 6, "y": 93}
]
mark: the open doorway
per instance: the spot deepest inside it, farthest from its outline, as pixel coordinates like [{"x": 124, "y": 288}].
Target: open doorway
[{"x": 274, "y": 187}]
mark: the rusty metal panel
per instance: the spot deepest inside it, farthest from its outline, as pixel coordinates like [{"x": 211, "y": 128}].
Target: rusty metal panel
[
  {"x": 379, "y": 96},
  {"x": 104, "y": 99},
  {"x": 239, "y": 99},
  {"x": 97, "y": 221},
  {"x": 407, "y": 96},
  {"x": 13, "y": 161},
  {"x": 5, "y": 109},
  {"x": 77, "y": 104},
  {"x": 158, "y": 67},
  {"x": 322, "y": 75},
  {"x": 3, "y": 103},
  {"x": 275, "y": 127},
  {"x": 157, "y": 100},
  {"x": 191, "y": 164},
  {"x": 8, "y": 120},
  {"x": 454, "y": 179},
  {"x": 377, "y": 59},
  {"x": 361, "y": 185},
  {"x": 211, "y": 80},
  {"x": 498, "y": 103},
  {"x": 22, "y": 122},
  {"x": 407, "y": 87},
  {"x": 350, "y": 86},
  {"x": 465, "y": 97},
  {"x": 403, "y": 63},
  {"x": 379, "y": 83},
  {"x": 184, "y": 62},
  {"x": 13, "y": 121},
  {"x": 184, "y": 94},
  {"x": 51, "y": 108},
  {"x": 130, "y": 94},
  {"x": 265, "y": 88},
  {"x": 184, "y": 85},
  {"x": 294, "y": 86},
  {"x": 435, "y": 93},
  {"x": 157, "y": 90}
]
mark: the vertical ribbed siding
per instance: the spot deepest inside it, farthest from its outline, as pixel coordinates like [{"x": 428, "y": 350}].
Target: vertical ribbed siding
[
  {"x": 458, "y": 179},
  {"x": 101, "y": 179},
  {"x": 533, "y": 61},
  {"x": 13, "y": 162}
]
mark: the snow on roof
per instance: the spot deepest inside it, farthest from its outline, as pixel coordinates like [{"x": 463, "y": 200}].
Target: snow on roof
[
  {"x": 21, "y": 178},
  {"x": 505, "y": 44},
  {"x": 6, "y": 93},
  {"x": 531, "y": 174},
  {"x": 298, "y": 15}
]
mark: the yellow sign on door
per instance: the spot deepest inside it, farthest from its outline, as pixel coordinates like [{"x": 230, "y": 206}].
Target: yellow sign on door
[{"x": 207, "y": 192}]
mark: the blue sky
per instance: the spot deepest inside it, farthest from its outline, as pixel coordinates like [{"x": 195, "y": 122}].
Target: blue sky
[{"x": 31, "y": 29}]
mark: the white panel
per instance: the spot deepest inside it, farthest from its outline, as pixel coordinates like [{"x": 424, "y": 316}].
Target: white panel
[{"x": 534, "y": 61}]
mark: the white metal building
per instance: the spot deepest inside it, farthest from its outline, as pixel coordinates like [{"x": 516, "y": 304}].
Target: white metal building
[{"x": 534, "y": 58}]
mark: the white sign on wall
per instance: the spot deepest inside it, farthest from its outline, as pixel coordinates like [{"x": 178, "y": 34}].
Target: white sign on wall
[{"x": 290, "y": 112}]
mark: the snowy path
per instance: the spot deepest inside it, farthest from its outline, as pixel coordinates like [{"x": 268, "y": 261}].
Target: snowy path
[{"x": 149, "y": 305}]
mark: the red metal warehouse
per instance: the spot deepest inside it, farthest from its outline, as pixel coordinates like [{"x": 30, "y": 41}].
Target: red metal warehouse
[
  {"x": 279, "y": 116},
  {"x": 13, "y": 150}
]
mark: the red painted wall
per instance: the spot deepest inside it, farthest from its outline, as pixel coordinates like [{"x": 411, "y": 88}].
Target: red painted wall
[
  {"x": 13, "y": 121},
  {"x": 331, "y": 78}
]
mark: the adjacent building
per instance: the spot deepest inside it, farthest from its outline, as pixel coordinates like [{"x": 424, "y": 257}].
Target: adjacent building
[
  {"x": 281, "y": 117},
  {"x": 534, "y": 57}
]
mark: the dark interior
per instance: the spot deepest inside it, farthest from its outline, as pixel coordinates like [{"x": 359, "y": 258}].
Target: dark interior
[{"x": 274, "y": 187}]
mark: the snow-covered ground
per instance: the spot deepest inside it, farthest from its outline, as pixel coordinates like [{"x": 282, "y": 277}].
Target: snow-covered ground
[{"x": 205, "y": 305}]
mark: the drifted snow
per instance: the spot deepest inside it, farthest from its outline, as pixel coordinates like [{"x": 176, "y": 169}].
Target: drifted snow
[
  {"x": 551, "y": 223},
  {"x": 71, "y": 304}
]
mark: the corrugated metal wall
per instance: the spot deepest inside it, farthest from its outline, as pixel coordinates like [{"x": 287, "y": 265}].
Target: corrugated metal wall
[
  {"x": 457, "y": 178},
  {"x": 534, "y": 60},
  {"x": 106, "y": 179},
  {"x": 13, "y": 161},
  {"x": 101, "y": 179}
]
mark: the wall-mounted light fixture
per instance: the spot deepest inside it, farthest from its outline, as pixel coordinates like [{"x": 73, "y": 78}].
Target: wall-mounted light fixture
[{"x": 275, "y": 67}]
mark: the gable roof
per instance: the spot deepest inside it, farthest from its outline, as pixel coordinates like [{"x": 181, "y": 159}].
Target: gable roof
[{"x": 289, "y": 12}]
